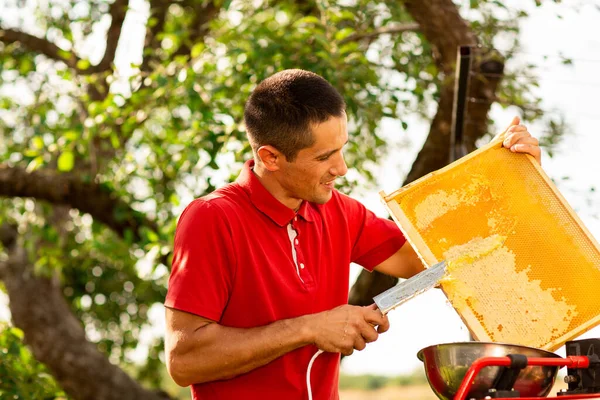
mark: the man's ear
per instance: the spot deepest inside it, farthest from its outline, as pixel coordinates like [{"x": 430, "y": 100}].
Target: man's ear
[{"x": 270, "y": 157}]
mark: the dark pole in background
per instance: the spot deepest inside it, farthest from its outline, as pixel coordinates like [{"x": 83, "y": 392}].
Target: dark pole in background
[
  {"x": 459, "y": 108},
  {"x": 461, "y": 90}
]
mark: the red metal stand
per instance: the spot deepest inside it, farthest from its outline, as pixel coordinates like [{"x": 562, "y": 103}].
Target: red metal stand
[{"x": 570, "y": 362}]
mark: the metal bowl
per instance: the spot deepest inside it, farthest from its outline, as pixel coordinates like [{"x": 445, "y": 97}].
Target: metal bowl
[{"x": 446, "y": 365}]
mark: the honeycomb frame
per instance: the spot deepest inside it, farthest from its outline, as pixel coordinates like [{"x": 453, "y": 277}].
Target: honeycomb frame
[{"x": 516, "y": 196}]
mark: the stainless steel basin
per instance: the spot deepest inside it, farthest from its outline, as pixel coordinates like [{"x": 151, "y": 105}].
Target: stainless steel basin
[{"x": 446, "y": 365}]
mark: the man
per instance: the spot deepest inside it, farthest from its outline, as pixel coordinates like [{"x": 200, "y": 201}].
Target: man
[{"x": 261, "y": 267}]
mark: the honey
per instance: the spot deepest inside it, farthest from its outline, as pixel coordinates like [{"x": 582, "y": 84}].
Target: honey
[{"x": 522, "y": 267}]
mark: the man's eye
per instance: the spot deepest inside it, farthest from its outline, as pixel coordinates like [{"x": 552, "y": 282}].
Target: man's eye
[{"x": 324, "y": 158}]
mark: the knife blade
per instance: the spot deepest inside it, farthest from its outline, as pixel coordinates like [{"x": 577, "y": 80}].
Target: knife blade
[{"x": 410, "y": 288}]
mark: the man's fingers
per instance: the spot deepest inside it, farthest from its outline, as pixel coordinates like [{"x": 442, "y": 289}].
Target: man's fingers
[
  {"x": 359, "y": 343},
  {"x": 382, "y": 322},
  {"x": 535, "y": 151},
  {"x": 369, "y": 333},
  {"x": 521, "y": 136},
  {"x": 527, "y": 140},
  {"x": 373, "y": 309},
  {"x": 348, "y": 328},
  {"x": 348, "y": 351},
  {"x": 384, "y": 327},
  {"x": 374, "y": 317},
  {"x": 516, "y": 128},
  {"x": 374, "y": 323},
  {"x": 515, "y": 121}
]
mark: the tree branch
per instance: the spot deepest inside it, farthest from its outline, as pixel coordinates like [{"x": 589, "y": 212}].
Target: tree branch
[
  {"x": 308, "y": 7},
  {"x": 65, "y": 188},
  {"x": 158, "y": 11},
  {"x": 117, "y": 12},
  {"x": 443, "y": 27},
  {"x": 412, "y": 26},
  {"x": 55, "y": 335},
  {"x": 99, "y": 90},
  {"x": 39, "y": 45},
  {"x": 204, "y": 12}
]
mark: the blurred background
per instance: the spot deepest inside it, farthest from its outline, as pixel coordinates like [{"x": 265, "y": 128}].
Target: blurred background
[{"x": 116, "y": 114}]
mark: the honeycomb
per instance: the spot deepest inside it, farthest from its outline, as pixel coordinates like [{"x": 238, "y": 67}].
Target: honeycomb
[{"x": 522, "y": 267}]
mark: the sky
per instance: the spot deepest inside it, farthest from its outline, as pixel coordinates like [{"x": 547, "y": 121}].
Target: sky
[{"x": 572, "y": 90}]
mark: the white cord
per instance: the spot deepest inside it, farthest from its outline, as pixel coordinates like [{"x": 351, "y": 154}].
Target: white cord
[{"x": 310, "y": 364}]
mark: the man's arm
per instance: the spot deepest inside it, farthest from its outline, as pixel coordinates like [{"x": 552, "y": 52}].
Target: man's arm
[
  {"x": 200, "y": 350},
  {"x": 402, "y": 264}
]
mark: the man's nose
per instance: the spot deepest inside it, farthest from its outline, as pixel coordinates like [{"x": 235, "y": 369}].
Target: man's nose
[{"x": 340, "y": 169}]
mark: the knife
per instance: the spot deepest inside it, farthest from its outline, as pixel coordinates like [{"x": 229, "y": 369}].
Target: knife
[{"x": 410, "y": 288}]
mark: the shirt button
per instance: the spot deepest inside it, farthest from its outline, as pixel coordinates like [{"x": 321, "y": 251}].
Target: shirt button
[
  {"x": 301, "y": 265},
  {"x": 296, "y": 242}
]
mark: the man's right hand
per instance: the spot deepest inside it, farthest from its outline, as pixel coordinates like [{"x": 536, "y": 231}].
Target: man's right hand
[
  {"x": 200, "y": 350},
  {"x": 346, "y": 328}
]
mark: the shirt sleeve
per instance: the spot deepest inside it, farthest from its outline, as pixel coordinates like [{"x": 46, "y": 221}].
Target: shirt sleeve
[
  {"x": 203, "y": 262},
  {"x": 375, "y": 239}
]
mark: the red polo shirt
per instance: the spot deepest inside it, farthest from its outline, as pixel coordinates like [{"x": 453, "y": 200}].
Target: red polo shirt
[{"x": 244, "y": 259}]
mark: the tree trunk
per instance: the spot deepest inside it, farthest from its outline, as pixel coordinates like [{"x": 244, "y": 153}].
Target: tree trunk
[
  {"x": 443, "y": 27},
  {"x": 56, "y": 336}
]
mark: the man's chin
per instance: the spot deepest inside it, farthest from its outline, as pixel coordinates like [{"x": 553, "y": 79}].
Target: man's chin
[{"x": 323, "y": 198}]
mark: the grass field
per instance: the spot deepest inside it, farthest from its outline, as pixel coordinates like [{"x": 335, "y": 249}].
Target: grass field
[
  {"x": 414, "y": 392},
  {"x": 418, "y": 392}
]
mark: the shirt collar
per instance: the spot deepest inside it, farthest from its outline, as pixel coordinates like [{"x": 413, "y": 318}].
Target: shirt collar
[{"x": 262, "y": 199}]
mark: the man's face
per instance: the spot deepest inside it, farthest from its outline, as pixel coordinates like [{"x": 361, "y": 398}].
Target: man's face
[{"x": 311, "y": 175}]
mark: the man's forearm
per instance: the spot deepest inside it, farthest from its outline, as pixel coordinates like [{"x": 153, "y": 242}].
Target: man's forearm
[{"x": 216, "y": 352}]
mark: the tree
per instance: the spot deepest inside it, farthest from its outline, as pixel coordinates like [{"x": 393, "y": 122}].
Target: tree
[
  {"x": 22, "y": 376},
  {"x": 101, "y": 147}
]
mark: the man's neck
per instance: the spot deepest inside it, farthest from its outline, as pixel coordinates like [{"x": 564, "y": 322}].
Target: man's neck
[{"x": 269, "y": 181}]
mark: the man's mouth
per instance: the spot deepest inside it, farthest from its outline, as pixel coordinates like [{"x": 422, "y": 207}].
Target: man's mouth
[{"x": 330, "y": 184}]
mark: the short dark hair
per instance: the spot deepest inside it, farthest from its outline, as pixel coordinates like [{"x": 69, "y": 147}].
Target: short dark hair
[{"x": 282, "y": 108}]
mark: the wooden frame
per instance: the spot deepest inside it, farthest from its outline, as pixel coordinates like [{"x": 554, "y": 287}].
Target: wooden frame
[{"x": 427, "y": 257}]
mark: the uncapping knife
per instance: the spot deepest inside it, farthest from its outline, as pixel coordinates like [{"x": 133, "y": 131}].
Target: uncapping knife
[{"x": 409, "y": 288}]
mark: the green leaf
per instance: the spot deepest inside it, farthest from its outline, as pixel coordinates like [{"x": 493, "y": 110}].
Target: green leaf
[
  {"x": 65, "y": 54},
  {"x": 152, "y": 21},
  {"x": 567, "y": 61},
  {"x": 309, "y": 20},
  {"x": 83, "y": 64},
  {"x": 197, "y": 49},
  {"x": 347, "y": 15},
  {"x": 26, "y": 66},
  {"x": 174, "y": 199},
  {"x": 66, "y": 161},
  {"x": 35, "y": 163},
  {"x": 17, "y": 333},
  {"x": 37, "y": 142},
  {"x": 128, "y": 236},
  {"x": 343, "y": 33},
  {"x": 71, "y": 135},
  {"x": 31, "y": 153},
  {"x": 114, "y": 140},
  {"x": 151, "y": 235}
]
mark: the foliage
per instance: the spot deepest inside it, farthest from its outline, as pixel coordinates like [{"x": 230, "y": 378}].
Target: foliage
[
  {"x": 374, "y": 382},
  {"x": 21, "y": 376},
  {"x": 158, "y": 131}
]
